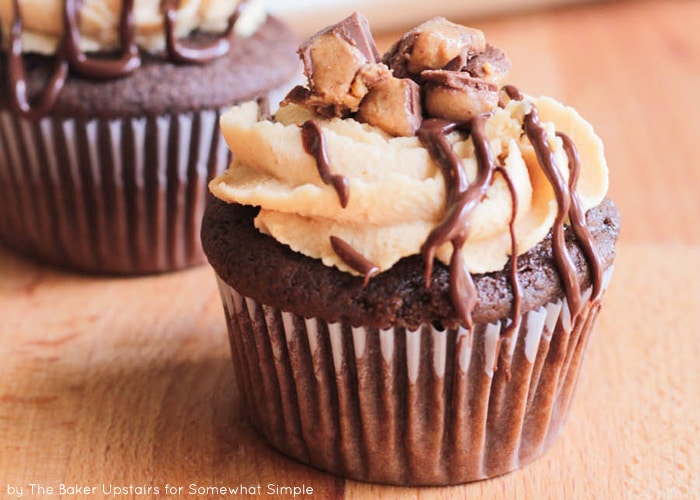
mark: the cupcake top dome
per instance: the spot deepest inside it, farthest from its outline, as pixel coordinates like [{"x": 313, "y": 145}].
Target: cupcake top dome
[
  {"x": 107, "y": 39},
  {"x": 421, "y": 151}
]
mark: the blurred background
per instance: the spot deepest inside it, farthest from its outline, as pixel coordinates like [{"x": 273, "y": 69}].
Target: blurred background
[{"x": 306, "y": 16}]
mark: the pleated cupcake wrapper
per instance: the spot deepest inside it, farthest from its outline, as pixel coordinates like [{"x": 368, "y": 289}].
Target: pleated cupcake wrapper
[
  {"x": 423, "y": 407},
  {"x": 113, "y": 196}
]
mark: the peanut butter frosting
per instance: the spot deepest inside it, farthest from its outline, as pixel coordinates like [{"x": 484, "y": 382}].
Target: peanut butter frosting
[
  {"x": 99, "y": 22},
  {"x": 421, "y": 151},
  {"x": 397, "y": 192}
]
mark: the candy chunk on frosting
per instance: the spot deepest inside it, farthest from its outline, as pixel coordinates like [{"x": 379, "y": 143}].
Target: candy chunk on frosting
[
  {"x": 99, "y": 22},
  {"x": 397, "y": 192},
  {"x": 432, "y": 45}
]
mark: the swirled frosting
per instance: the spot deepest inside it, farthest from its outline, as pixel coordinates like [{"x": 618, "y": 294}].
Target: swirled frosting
[
  {"x": 419, "y": 152},
  {"x": 43, "y": 24},
  {"x": 397, "y": 192}
]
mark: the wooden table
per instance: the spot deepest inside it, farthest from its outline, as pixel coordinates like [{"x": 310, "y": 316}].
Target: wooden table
[{"x": 127, "y": 383}]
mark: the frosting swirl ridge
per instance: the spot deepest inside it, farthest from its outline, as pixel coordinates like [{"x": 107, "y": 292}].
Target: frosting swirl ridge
[
  {"x": 99, "y": 22},
  {"x": 397, "y": 192}
]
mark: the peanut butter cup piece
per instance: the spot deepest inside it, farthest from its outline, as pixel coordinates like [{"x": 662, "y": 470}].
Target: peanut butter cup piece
[
  {"x": 393, "y": 105},
  {"x": 336, "y": 63},
  {"x": 433, "y": 45},
  {"x": 456, "y": 95},
  {"x": 491, "y": 65}
]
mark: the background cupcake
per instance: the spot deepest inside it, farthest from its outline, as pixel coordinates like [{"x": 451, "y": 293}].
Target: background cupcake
[
  {"x": 109, "y": 123},
  {"x": 411, "y": 258}
]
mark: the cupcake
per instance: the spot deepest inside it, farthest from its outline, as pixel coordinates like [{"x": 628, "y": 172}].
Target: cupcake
[
  {"x": 411, "y": 255},
  {"x": 109, "y": 123}
]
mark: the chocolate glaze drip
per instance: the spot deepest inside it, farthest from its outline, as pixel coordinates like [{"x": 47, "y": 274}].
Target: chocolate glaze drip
[
  {"x": 312, "y": 138},
  {"x": 18, "y": 84},
  {"x": 464, "y": 196},
  {"x": 69, "y": 57},
  {"x": 577, "y": 217},
  {"x": 181, "y": 54},
  {"x": 513, "y": 92},
  {"x": 354, "y": 259},
  {"x": 462, "y": 199},
  {"x": 514, "y": 325},
  {"x": 101, "y": 68},
  {"x": 566, "y": 267},
  {"x": 576, "y": 214}
]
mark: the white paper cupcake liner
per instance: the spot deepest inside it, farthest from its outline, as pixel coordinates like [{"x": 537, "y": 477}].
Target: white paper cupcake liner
[
  {"x": 111, "y": 196},
  {"x": 423, "y": 407}
]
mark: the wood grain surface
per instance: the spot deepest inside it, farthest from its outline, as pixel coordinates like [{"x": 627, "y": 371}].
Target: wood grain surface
[{"x": 118, "y": 387}]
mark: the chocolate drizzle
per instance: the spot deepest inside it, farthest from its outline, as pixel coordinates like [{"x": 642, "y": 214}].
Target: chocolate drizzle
[
  {"x": 462, "y": 198},
  {"x": 566, "y": 195},
  {"x": 69, "y": 57},
  {"x": 577, "y": 217},
  {"x": 566, "y": 267},
  {"x": 516, "y": 315},
  {"x": 182, "y": 54},
  {"x": 18, "y": 83},
  {"x": 515, "y": 282},
  {"x": 312, "y": 138},
  {"x": 101, "y": 68},
  {"x": 512, "y": 92},
  {"x": 354, "y": 259}
]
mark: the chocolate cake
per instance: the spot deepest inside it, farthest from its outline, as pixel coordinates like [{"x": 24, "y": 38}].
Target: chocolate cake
[
  {"x": 275, "y": 275},
  {"x": 412, "y": 254},
  {"x": 105, "y": 155}
]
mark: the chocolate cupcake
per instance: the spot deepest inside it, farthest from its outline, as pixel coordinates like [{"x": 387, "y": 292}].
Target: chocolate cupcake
[
  {"x": 411, "y": 255},
  {"x": 109, "y": 123}
]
